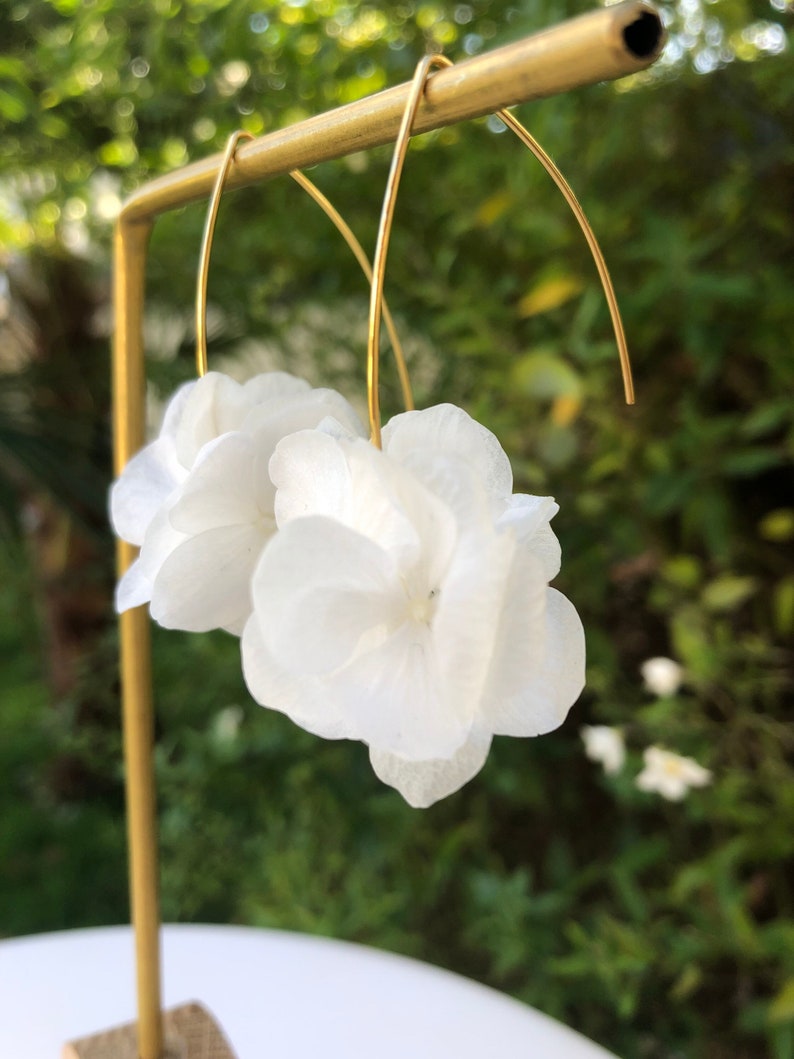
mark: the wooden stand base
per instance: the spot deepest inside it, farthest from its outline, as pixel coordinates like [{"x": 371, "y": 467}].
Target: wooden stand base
[{"x": 190, "y": 1033}]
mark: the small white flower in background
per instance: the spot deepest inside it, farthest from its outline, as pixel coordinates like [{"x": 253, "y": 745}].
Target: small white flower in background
[
  {"x": 605, "y": 745},
  {"x": 670, "y": 774},
  {"x": 199, "y": 501},
  {"x": 226, "y": 725},
  {"x": 662, "y": 676},
  {"x": 405, "y": 601}
]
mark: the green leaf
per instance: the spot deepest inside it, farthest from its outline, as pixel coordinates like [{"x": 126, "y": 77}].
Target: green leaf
[
  {"x": 12, "y": 108},
  {"x": 783, "y": 607},
  {"x": 728, "y": 592},
  {"x": 687, "y": 983},
  {"x": 544, "y": 375},
  {"x": 777, "y": 526},
  {"x": 549, "y": 293},
  {"x": 748, "y": 462},
  {"x": 767, "y": 418},
  {"x": 684, "y": 571},
  {"x": 782, "y": 1007},
  {"x": 669, "y": 491}
]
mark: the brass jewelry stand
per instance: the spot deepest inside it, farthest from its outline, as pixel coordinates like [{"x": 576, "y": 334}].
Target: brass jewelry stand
[{"x": 606, "y": 44}]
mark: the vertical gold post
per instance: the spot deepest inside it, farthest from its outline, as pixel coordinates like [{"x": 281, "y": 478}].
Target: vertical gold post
[{"x": 130, "y": 245}]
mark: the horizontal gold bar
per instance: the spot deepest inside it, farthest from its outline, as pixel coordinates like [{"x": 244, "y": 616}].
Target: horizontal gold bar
[{"x": 599, "y": 46}]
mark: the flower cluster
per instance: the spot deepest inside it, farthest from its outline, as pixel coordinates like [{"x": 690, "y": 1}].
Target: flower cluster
[
  {"x": 664, "y": 772},
  {"x": 399, "y": 596},
  {"x": 199, "y": 500}
]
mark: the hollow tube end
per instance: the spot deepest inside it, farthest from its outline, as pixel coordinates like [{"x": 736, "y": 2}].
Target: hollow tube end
[{"x": 643, "y": 34}]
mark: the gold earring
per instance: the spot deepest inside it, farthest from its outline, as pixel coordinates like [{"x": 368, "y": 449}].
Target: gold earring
[
  {"x": 377, "y": 306},
  {"x": 340, "y": 224}
]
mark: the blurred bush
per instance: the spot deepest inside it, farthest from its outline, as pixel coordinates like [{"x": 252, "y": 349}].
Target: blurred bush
[{"x": 660, "y": 929}]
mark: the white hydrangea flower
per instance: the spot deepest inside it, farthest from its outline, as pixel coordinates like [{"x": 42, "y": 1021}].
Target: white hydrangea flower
[
  {"x": 670, "y": 774},
  {"x": 405, "y": 601},
  {"x": 662, "y": 676},
  {"x": 605, "y": 745},
  {"x": 199, "y": 500}
]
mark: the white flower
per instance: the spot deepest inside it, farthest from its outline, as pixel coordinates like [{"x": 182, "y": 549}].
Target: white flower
[
  {"x": 404, "y": 601},
  {"x": 226, "y": 725},
  {"x": 670, "y": 774},
  {"x": 604, "y": 744},
  {"x": 662, "y": 676},
  {"x": 199, "y": 500}
]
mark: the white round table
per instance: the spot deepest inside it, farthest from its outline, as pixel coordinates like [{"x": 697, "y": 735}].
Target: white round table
[{"x": 289, "y": 996}]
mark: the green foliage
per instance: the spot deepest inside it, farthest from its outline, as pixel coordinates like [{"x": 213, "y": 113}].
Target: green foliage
[{"x": 658, "y": 928}]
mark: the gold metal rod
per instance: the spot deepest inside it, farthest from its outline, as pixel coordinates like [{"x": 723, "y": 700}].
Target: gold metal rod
[
  {"x": 136, "y": 682},
  {"x": 599, "y": 46}
]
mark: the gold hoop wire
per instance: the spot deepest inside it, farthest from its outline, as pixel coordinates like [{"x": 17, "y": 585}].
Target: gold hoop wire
[
  {"x": 206, "y": 247},
  {"x": 342, "y": 227},
  {"x": 532, "y": 144},
  {"x": 377, "y": 308}
]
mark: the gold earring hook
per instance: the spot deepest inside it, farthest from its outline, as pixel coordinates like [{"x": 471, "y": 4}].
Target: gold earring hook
[
  {"x": 342, "y": 227},
  {"x": 346, "y": 232},
  {"x": 418, "y": 87},
  {"x": 206, "y": 246},
  {"x": 382, "y": 245},
  {"x": 530, "y": 142}
]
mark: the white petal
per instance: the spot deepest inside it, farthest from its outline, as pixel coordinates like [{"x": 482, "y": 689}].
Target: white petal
[
  {"x": 136, "y": 586},
  {"x": 449, "y": 430},
  {"x": 352, "y": 482},
  {"x": 529, "y": 518},
  {"x": 318, "y": 589},
  {"x": 133, "y": 589},
  {"x": 550, "y": 690},
  {"x": 466, "y": 620},
  {"x": 144, "y": 486},
  {"x": 205, "y": 582},
  {"x": 397, "y": 701},
  {"x": 694, "y": 774},
  {"x": 199, "y": 421},
  {"x": 448, "y": 479},
  {"x": 273, "y": 386},
  {"x": 175, "y": 409},
  {"x": 520, "y": 642},
  {"x": 326, "y": 596},
  {"x": 423, "y": 782},
  {"x": 228, "y": 485},
  {"x": 217, "y": 404},
  {"x": 671, "y": 787},
  {"x": 305, "y": 700},
  {"x": 388, "y": 505},
  {"x": 305, "y": 409},
  {"x": 312, "y": 477}
]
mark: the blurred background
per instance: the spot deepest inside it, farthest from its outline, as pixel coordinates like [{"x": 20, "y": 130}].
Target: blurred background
[{"x": 661, "y": 928}]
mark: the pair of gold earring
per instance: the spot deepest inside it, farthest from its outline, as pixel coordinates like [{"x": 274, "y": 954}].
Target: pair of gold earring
[{"x": 375, "y": 273}]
